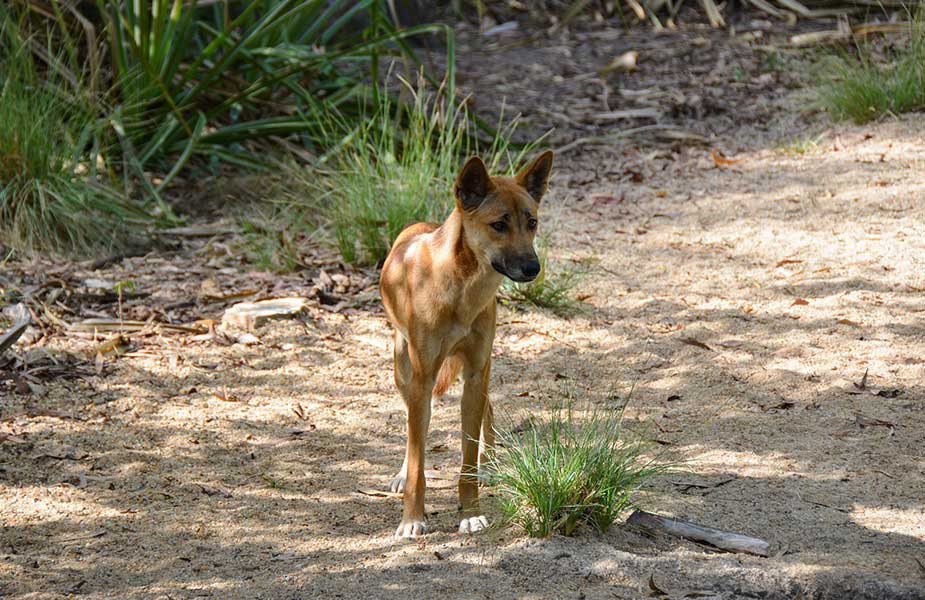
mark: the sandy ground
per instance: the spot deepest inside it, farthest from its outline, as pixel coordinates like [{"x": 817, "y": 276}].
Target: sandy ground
[{"x": 742, "y": 304}]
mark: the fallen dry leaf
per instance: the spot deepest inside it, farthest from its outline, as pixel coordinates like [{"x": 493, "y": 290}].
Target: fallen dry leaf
[
  {"x": 379, "y": 493},
  {"x": 693, "y": 342},
  {"x": 800, "y": 302},
  {"x": 656, "y": 591},
  {"x": 722, "y": 161},
  {"x": 786, "y": 261},
  {"x": 224, "y": 396}
]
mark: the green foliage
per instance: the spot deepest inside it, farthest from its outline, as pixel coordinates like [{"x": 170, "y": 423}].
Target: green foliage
[
  {"x": 207, "y": 81},
  {"x": 553, "y": 289},
  {"x": 396, "y": 168},
  {"x": 147, "y": 90},
  {"x": 569, "y": 471},
  {"x": 51, "y": 193},
  {"x": 862, "y": 89}
]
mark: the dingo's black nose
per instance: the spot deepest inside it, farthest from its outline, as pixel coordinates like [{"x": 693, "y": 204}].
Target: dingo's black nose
[{"x": 531, "y": 269}]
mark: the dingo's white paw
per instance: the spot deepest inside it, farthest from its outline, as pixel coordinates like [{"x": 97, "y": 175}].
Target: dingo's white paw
[
  {"x": 411, "y": 529},
  {"x": 397, "y": 484},
  {"x": 473, "y": 524}
]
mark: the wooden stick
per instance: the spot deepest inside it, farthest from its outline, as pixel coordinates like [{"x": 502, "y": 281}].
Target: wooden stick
[{"x": 725, "y": 540}]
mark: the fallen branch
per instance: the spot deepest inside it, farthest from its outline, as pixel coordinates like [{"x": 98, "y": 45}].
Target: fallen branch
[{"x": 724, "y": 540}]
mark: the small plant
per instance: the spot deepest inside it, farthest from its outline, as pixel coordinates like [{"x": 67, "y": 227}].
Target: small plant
[
  {"x": 553, "y": 289},
  {"x": 862, "y": 89},
  {"x": 272, "y": 240},
  {"x": 127, "y": 285},
  {"x": 801, "y": 145},
  {"x": 569, "y": 471}
]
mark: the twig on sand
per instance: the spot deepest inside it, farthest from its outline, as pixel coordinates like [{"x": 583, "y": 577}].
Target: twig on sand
[{"x": 724, "y": 540}]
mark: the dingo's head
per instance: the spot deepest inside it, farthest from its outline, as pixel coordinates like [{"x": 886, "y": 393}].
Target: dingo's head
[{"x": 500, "y": 214}]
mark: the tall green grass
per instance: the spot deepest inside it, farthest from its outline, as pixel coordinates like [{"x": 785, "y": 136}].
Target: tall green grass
[
  {"x": 862, "y": 88},
  {"x": 170, "y": 86},
  {"x": 51, "y": 193},
  {"x": 398, "y": 167},
  {"x": 573, "y": 469}
]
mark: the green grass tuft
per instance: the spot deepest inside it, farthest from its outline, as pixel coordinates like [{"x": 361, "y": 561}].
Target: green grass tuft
[
  {"x": 553, "y": 289},
  {"x": 800, "y": 145},
  {"x": 274, "y": 236},
  {"x": 569, "y": 471},
  {"x": 862, "y": 88}
]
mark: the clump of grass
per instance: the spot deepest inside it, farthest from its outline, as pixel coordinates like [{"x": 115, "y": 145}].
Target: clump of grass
[
  {"x": 553, "y": 289},
  {"x": 801, "y": 145},
  {"x": 273, "y": 238},
  {"x": 397, "y": 168},
  {"x": 49, "y": 196},
  {"x": 568, "y": 471},
  {"x": 862, "y": 89},
  {"x": 276, "y": 218}
]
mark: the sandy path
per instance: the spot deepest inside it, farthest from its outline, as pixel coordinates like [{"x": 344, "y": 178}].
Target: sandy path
[{"x": 181, "y": 494}]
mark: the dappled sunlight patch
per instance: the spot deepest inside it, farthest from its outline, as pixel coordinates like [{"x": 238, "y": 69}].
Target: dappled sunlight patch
[
  {"x": 891, "y": 519},
  {"x": 746, "y": 463},
  {"x": 64, "y": 505}
]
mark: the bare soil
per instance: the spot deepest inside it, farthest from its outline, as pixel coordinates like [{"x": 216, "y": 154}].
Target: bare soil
[{"x": 766, "y": 313}]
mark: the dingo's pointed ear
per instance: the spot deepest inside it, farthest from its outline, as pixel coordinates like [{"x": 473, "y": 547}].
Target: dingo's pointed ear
[
  {"x": 472, "y": 184},
  {"x": 534, "y": 178}
]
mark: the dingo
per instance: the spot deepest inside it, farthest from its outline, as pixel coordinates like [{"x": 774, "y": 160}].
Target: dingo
[{"x": 438, "y": 287}]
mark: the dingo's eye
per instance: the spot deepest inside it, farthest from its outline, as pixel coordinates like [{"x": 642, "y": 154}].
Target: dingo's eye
[
  {"x": 531, "y": 224},
  {"x": 499, "y": 226}
]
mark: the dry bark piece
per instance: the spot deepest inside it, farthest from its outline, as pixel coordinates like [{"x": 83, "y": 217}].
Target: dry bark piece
[
  {"x": 248, "y": 314},
  {"x": 724, "y": 540},
  {"x": 23, "y": 319}
]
